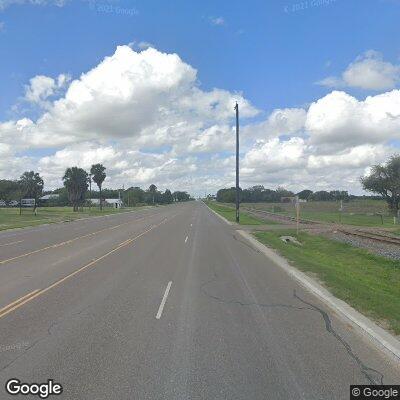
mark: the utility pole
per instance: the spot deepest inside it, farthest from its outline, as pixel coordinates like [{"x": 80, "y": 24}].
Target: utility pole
[
  {"x": 90, "y": 193},
  {"x": 237, "y": 162}
]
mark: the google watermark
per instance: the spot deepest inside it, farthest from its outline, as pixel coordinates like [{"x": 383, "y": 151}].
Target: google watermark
[
  {"x": 42, "y": 390},
  {"x": 307, "y": 4},
  {"x": 374, "y": 392},
  {"x": 13, "y": 347},
  {"x": 108, "y": 8}
]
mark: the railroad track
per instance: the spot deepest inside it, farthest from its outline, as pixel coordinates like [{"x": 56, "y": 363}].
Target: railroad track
[
  {"x": 279, "y": 216},
  {"x": 372, "y": 236},
  {"x": 378, "y": 237}
]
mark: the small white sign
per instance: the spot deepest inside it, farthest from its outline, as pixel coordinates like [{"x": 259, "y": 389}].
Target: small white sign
[{"x": 27, "y": 202}]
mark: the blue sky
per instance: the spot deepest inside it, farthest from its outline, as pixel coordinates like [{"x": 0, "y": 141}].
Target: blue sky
[
  {"x": 273, "y": 52},
  {"x": 273, "y": 56}
]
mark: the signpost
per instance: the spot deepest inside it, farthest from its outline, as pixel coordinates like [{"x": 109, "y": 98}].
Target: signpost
[
  {"x": 297, "y": 205},
  {"x": 341, "y": 210},
  {"x": 27, "y": 203},
  {"x": 90, "y": 193}
]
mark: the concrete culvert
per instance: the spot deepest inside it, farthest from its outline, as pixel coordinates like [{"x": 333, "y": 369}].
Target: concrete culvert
[{"x": 290, "y": 239}]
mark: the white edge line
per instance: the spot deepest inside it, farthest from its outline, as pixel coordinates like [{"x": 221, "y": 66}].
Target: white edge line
[
  {"x": 374, "y": 332},
  {"x": 187, "y": 237},
  {"x": 220, "y": 216},
  {"x": 163, "y": 301}
]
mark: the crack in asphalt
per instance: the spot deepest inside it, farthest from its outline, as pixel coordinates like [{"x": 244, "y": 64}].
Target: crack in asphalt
[
  {"x": 20, "y": 355},
  {"x": 49, "y": 329},
  {"x": 373, "y": 376},
  {"x": 241, "y": 303},
  {"x": 246, "y": 244},
  {"x": 368, "y": 372}
]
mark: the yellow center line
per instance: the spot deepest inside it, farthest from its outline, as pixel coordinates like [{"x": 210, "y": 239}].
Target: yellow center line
[
  {"x": 53, "y": 246},
  {"x": 2, "y": 310},
  {"x": 30, "y": 296}
]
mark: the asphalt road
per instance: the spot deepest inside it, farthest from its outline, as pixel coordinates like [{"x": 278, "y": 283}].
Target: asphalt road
[{"x": 169, "y": 303}]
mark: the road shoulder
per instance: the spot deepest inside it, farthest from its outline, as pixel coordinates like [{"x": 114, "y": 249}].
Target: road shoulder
[{"x": 378, "y": 335}]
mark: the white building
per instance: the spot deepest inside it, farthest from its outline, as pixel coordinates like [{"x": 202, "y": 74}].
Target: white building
[
  {"x": 115, "y": 203},
  {"x": 51, "y": 196}
]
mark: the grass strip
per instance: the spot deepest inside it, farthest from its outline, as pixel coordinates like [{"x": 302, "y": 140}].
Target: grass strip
[
  {"x": 369, "y": 283},
  {"x": 230, "y": 214},
  {"x": 10, "y": 218}
]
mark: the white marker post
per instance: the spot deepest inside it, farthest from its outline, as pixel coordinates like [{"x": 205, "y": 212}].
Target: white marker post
[{"x": 297, "y": 205}]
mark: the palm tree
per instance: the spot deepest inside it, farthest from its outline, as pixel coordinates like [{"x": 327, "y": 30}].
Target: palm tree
[
  {"x": 98, "y": 173},
  {"x": 31, "y": 185},
  {"x": 152, "y": 190},
  {"x": 168, "y": 198},
  {"x": 76, "y": 182}
]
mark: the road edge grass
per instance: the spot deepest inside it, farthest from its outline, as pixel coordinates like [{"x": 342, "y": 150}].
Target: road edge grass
[
  {"x": 59, "y": 217},
  {"x": 230, "y": 214},
  {"x": 367, "y": 282}
]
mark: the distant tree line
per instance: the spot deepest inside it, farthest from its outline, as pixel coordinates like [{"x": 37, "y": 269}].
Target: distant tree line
[
  {"x": 260, "y": 194},
  {"x": 383, "y": 180},
  {"x": 76, "y": 190},
  {"x": 135, "y": 195}
]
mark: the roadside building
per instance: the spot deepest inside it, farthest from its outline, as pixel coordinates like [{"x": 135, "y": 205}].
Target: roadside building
[
  {"x": 288, "y": 199},
  {"x": 114, "y": 203},
  {"x": 292, "y": 199},
  {"x": 49, "y": 197}
]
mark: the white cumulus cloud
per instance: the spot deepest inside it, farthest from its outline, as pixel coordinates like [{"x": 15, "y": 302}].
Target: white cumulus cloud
[
  {"x": 369, "y": 71},
  {"x": 42, "y": 87},
  {"x": 341, "y": 120},
  {"x": 145, "y": 116},
  {"x": 6, "y": 3},
  {"x": 218, "y": 21}
]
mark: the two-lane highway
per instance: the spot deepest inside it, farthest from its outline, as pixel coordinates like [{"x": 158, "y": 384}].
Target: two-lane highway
[{"x": 168, "y": 303}]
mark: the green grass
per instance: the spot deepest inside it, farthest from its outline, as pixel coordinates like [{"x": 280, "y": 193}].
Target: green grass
[
  {"x": 348, "y": 219},
  {"x": 10, "y": 218},
  {"x": 358, "y": 212},
  {"x": 370, "y": 283},
  {"x": 230, "y": 214}
]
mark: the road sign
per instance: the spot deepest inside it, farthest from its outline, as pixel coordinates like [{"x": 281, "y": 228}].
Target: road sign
[{"x": 28, "y": 202}]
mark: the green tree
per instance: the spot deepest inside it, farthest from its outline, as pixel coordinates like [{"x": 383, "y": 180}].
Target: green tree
[
  {"x": 133, "y": 196},
  {"x": 385, "y": 180},
  {"x": 282, "y": 192},
  {"x": 76, "y": 182},
  {"x": 167, "y": 197},
  {"x": 181, "y": 196},
  {"x": 98, "y": 176},
  {"x": 31, "y": 185},
  {"x": 322, "y": 195},
  {"x": 305, "y": 194},
  {"x": 153, "y": 191},
  {"x": 62, "y": 200},
  {"x": 9, "y": 190},
  {"x": 226, "y": 195},
  {"x": 339, "y": 194}
]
